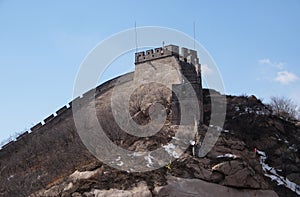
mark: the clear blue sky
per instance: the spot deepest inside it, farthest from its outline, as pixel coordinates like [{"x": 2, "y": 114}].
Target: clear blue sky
[{"x": 256, "y": 45}]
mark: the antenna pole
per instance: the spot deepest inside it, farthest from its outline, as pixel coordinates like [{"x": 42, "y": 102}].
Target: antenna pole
[
  {"x": 194, "y": 29},
  {"x": 136, "y": 43}
]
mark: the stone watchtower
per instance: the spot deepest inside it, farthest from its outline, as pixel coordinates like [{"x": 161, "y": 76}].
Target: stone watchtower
[{"x": 179, "y": 71}]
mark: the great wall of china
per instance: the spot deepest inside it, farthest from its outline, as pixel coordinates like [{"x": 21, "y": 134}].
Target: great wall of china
[
  {"x": 186, "y": 58},
  {"x": 60, "y": 112}
]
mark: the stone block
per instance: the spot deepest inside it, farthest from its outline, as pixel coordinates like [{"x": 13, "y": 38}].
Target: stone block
[
  {"x": 61, "y": 110},
  {"x": 46, "y": 120},
  {"x": 36, "y": 127}
]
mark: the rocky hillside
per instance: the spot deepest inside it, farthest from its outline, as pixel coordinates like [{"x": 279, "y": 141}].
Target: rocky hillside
[{"x": 257, "y": 154}]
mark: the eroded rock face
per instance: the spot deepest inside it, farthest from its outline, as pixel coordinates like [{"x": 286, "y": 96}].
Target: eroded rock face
[
  {"x": 229, "y": 163},
  {"x": 141, "y": 190},
  {"x": 181, "y": 187},
  {"x": 146, "y": 96},
  {"x": 54, "y": 162},
  {"x": 240, "y": 174},
  {"x": 178, "y": 187}
]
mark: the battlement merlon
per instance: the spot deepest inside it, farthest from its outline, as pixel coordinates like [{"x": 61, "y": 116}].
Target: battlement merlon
[
  {"x": 186, "y": 55},
  {"x": 189, "y": 56}
]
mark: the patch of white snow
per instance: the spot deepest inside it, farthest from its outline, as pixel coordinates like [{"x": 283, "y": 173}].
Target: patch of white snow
[
  {"x": 272, "y": 173},
  {"x": 170, "y": 148},
  {"x": 149, "y": 158},
  {"x": 227, "y": 155}
]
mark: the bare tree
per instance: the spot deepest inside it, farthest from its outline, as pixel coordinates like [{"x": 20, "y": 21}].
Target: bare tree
[
  {"x": 298, "y": 113},
  {"x": 284, "y": 107}
]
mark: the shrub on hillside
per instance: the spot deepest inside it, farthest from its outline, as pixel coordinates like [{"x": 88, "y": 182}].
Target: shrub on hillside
[{"x": 284, "y": 107}]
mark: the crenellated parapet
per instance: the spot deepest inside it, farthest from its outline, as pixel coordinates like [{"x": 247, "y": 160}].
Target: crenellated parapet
[
  {"x": 185, "y": 55},
  {"x": 152, "y": 54},
  {"x": 189, "y": 56}
]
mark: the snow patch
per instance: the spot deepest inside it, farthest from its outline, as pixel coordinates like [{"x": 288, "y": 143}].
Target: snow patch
[
  {"x": 293, "y": 148},
  {"x": 219, "y": 128},
  {"x": 119, "y": 158},
  {"x": 192, "y": 142},
  {"x": 272, "y": 173},
  {"x": 10, "y": 177},
  {"x": 261, "y": 153},
  {"x": 170, "y": 148},
  {"x": 248, "y": 110},
  {"x": 216, "y": 127},
  {"x": 285, "y": 141},
  {"x": 149, "y": 158},
  {"x": 228, "y": 155},
  {"x": 175, "y": 138}
]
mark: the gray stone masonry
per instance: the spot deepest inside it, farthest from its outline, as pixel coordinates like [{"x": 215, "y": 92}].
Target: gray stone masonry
[{"x": 160, "y": 64}]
